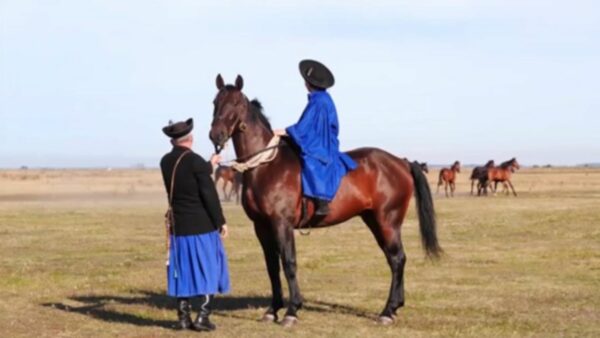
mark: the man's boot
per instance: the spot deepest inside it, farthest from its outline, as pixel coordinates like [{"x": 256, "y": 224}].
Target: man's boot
[
  {"x": 321, "y": 207},
  {"x": 203, "y": 322},
  {"x": 184, "y": 310}
]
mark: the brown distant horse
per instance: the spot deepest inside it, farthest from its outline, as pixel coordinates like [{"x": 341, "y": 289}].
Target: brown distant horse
[
  {"x": 502, "y": 174},
  {"x": 229, "y": 176},
  {"x": 448, "y": 178},
  {"x": 379, "y": 191},
  {"x": 480, "y": 172}
]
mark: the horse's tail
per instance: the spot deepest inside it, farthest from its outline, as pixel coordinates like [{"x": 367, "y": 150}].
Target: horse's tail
[
  {"x": 427, "y": 223},
  {"x": 440, "y": 180},
  {"x": 475, "y": 173}
]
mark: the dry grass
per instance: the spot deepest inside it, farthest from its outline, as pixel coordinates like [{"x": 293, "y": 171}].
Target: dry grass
[{"x": 82, "y": 255}]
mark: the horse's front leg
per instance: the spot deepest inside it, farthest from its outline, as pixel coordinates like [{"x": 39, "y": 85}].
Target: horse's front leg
[
  {"x": 511, "y": 186},
  {"x": 287, "y": 250},
  {"x": 268, "y": 242}
]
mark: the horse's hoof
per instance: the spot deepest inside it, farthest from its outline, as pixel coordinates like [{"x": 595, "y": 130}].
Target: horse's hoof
[
  {"x": 289, "y": 321},
  {"x": 385, "y": 320},
  {"x": 268, "y": 318}
]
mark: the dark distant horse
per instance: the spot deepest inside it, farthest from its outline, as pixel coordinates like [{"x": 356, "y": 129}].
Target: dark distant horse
[
  {"x": 448, "y": 178},
  {"x": 502, "y": 174},
  {"x": 379, "y": 191},
  {"x": 229, "y": 176},
  {"x": 423, "y": 165},
  {"x": 480, "y": 172}
]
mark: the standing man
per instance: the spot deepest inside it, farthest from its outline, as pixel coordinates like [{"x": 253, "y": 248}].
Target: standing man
[
  {"x": 197, "y": 265},
  {"x": 316, "y": 134}
]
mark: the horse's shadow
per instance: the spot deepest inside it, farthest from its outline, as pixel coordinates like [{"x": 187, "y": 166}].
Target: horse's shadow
[{"x": 94, "y": 306}]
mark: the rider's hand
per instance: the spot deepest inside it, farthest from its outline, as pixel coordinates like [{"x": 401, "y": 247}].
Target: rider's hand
[
  {"x": 215, "y": 159},
  {"x": 280, "y": 132},
  {"x": 224, "y": 231}
]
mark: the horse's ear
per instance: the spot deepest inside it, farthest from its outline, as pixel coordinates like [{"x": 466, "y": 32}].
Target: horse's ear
[
  {"x": 239, "y": 82},
  {"x": 220, "y": 82}
]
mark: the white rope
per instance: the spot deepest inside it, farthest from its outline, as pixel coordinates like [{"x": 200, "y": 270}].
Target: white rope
[{"x": 260, "y": 158}]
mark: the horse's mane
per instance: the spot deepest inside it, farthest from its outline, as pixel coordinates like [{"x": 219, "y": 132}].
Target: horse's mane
[
  {"x": 507, "y": 164},
  {"x": 489, "y": 163},
  {"x": 256, "y": 113}
]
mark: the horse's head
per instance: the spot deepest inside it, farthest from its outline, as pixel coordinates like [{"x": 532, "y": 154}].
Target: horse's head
[
  {"x": 514, "y": 164},
  {"x": 424, "y": 167},
  {"x": 490, "y": 164},
  {"x": 456, "y": 166},
  {"x": 231, "y": 108}
]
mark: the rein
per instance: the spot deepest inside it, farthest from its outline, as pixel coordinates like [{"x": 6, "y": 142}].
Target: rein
[{"x": 258, "y": 158}]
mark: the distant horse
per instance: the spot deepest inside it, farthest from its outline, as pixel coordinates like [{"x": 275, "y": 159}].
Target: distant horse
[
  {"x": 229, "y": 176},
  {"x": 448, "y": 178},
  {"x": 480, "y": 172},
  {"x": 423, "y": 165},
  {"x": 502, "y": 174},
  {"x": 379, "y": 191}
]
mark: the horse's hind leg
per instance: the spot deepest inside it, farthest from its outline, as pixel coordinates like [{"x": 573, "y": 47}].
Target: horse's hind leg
[
  {"x": 268, "y": 243},
  {"x": 446, "y": 188},
  {"x": 388, "y": 238},
  {"x": 225, "y": 197}
]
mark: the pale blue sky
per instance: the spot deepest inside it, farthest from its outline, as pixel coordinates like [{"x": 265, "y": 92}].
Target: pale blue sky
[{"x": 91, "y": 83}]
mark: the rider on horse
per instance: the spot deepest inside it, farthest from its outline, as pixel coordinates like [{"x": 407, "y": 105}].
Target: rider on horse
[{"x": 316, "y": 134}]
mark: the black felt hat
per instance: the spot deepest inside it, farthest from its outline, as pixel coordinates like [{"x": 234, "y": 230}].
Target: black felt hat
[
  {"x": 179, "y": 129},
  {"x": 316, "y": 74}
]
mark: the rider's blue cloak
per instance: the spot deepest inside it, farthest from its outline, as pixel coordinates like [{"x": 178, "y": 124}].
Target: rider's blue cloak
[{"x": 316, "y": 133}]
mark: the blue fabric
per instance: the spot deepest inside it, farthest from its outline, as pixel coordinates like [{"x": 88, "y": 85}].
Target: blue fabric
[
  {"x": 197, "y": 266},
  {"x": 316, "y": 133}
]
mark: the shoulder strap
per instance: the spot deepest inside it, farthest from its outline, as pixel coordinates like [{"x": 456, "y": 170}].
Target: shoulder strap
[{"x": 173, "y": 175}]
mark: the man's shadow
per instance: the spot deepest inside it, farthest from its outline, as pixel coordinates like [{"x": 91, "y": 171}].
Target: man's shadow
[{"x": 94, "y": 306}]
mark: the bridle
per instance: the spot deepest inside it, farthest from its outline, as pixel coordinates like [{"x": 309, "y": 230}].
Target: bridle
[{"x": 238, "y": 126}]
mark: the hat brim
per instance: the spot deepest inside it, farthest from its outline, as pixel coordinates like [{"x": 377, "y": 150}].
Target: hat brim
[
  {"x": 326, "y": 79},
  {"x": 179, "y": 129}
]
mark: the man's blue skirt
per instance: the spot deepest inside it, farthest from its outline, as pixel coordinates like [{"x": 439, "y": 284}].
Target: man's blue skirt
[{"x": 197, "y": 266}]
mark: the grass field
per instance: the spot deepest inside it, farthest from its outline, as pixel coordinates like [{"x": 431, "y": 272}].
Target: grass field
[{"x": 82, "y": 254}]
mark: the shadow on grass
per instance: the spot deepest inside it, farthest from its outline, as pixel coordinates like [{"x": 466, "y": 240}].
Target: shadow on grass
[{"x": 94, "y": 306}]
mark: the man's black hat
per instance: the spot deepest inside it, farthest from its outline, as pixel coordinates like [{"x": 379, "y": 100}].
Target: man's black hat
[
  {"x": 316, "y": 74},
  {"x": 179, "y": 129}
]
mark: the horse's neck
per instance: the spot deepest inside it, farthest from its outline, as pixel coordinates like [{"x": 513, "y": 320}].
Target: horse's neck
[{"x": 255, "y": 138}]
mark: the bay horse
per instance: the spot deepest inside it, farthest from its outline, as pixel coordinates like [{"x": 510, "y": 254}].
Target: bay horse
[
  {"x": 379, "y": 191},
  {"x": 448, "y": 178},
  {"x": 502, "y": 174},
  {"x": 229, "y": 176},
  {"x": 478, "y": 173}
]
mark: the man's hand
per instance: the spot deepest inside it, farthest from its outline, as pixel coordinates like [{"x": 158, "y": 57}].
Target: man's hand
[
  {"x": 280, "y": 132},
  {"x": 215, "y": 159},
  {"x": 224, "y": 231}
]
